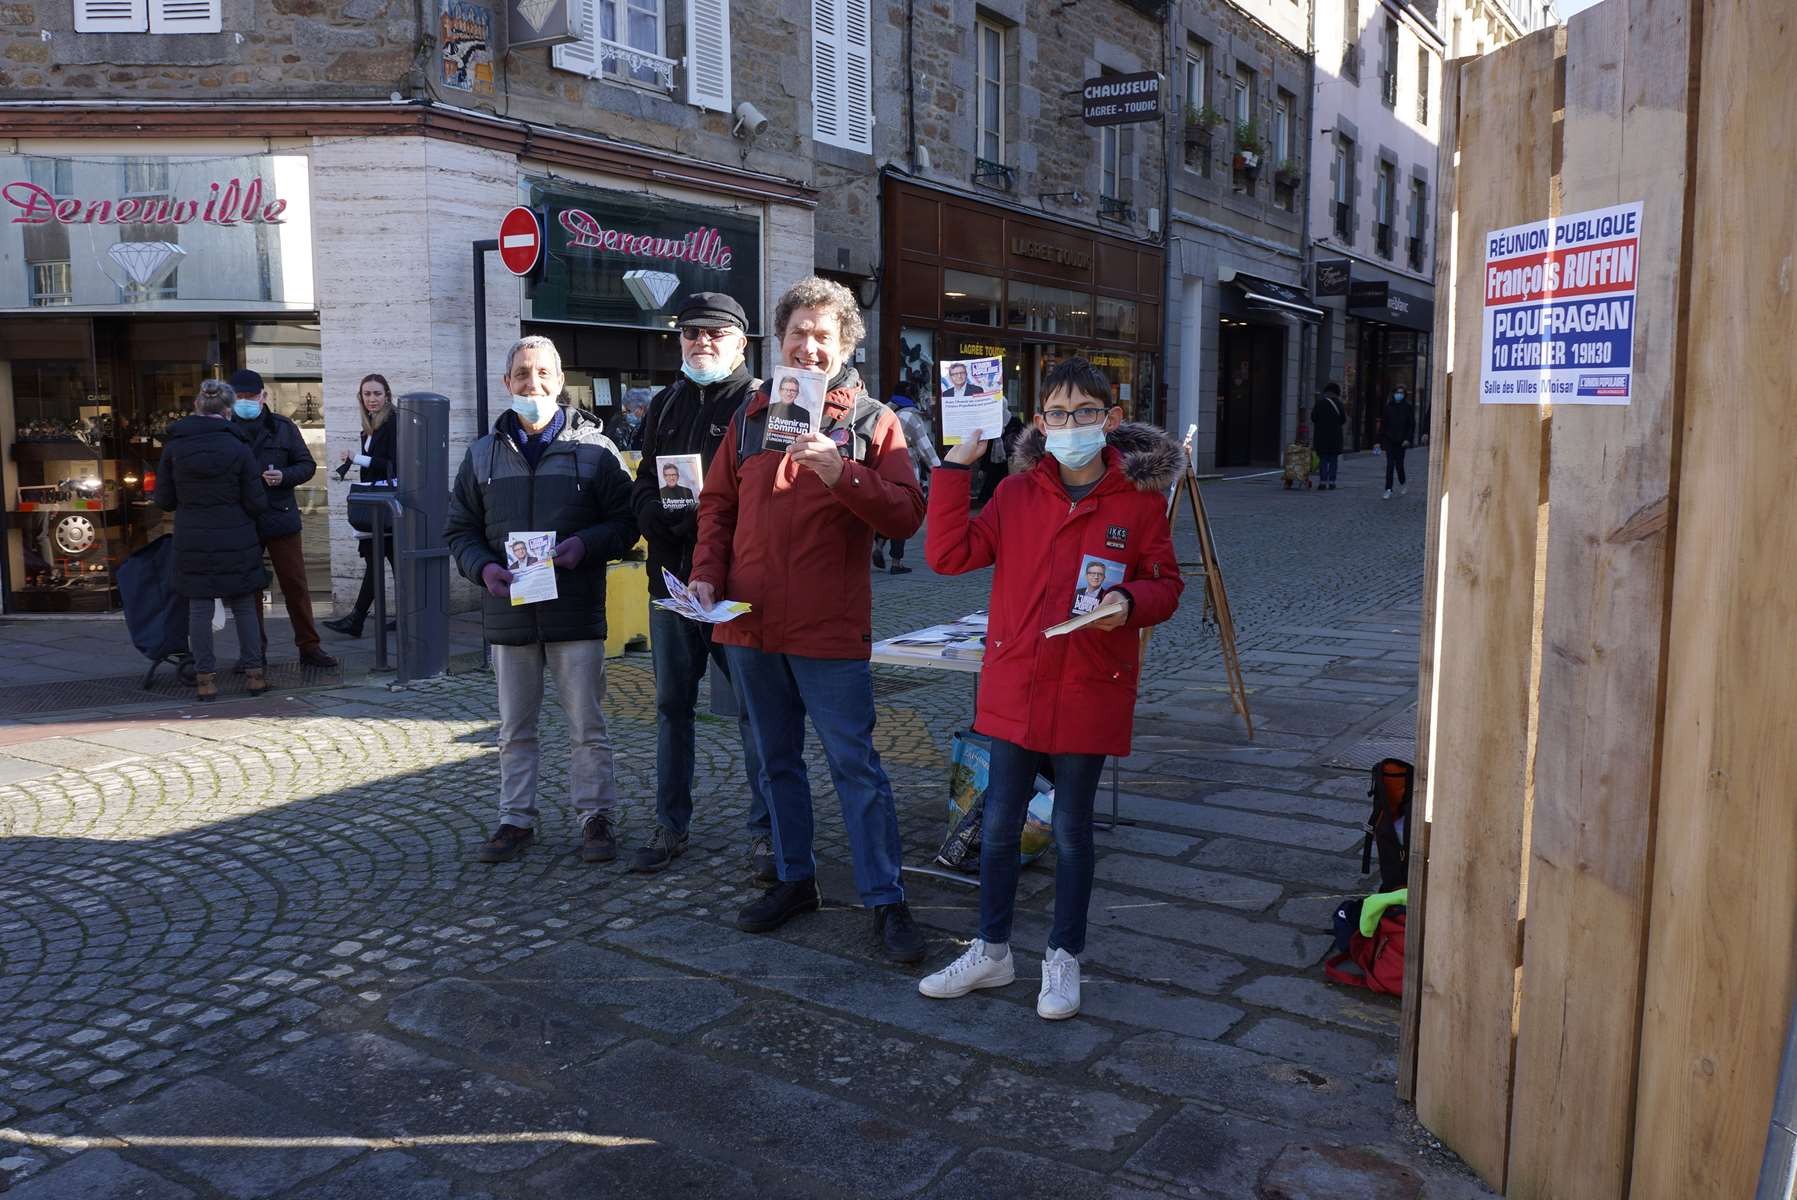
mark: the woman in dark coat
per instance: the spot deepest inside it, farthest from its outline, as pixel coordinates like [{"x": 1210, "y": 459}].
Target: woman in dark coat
[
  {"x": 210, "y": 481},
  {"x": 1326, "y": 421},
  {"x": 380, "y": 446}
]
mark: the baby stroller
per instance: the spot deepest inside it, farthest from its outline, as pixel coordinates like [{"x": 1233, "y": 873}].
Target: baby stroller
[
  {"x": 1299, "y": 460},
  {"x": 155, "y": 613}
]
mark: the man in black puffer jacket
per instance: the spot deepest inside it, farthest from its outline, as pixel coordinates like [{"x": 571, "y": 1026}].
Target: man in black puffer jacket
[
  {"x": 545, "y": 467},
  {"x": 690, "y": 418},
  {"x": 285, "y": 463}
]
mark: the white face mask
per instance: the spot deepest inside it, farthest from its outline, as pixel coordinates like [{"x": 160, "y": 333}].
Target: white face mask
[
  {"x": 1076, "y": 445},
  {"x": 534, "y": 410}
]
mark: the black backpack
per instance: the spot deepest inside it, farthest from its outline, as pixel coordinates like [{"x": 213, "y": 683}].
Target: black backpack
[{"x": 1388, "y": 828}]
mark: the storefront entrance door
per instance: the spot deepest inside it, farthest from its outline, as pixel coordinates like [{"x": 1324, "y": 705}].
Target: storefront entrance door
[{"x": 1250, "y": 378}]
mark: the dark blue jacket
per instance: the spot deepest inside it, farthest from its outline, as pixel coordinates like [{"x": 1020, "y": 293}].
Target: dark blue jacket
[
  {"x": 213, "y": 485},
  {"x": 275, "y": 442}
]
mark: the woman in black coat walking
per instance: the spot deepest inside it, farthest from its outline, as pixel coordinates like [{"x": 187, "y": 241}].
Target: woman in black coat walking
[
  {"x": 380, "y": 446},
  {"x": 1326, "y": 421},
  {"x": 209, "y": 480}
]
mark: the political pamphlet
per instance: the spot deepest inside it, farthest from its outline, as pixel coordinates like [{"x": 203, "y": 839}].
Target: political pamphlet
[
  {"x": 1095, "y": 575},
  {"x": 973, "y": 398},
  {"x": 529, "y": 557},
  {"x": 681, "y": 601},
  {"x": 681, "y": 477},
  {"x": 1109, "y": 606},
  {"x": 795, "y": 407},
  {"x": 963, "y": 639}
]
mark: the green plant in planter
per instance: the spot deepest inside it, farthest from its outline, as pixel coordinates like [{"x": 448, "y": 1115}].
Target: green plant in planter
[
  {"x": 1289, "y": 171},
  {"x": 1204, "y": 117},
  {"x": 1247, "y": 139}
]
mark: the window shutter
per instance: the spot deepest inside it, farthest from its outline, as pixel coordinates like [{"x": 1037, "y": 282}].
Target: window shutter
[
  {"x": 708, "y": 54},
  {"x": 826, "y": 72},
  {"x": 858, "y": 76},
  {"x": 112, "y": 16},
  {"x": 186, "y": 16},
  {"x": 580, "y": 57}
]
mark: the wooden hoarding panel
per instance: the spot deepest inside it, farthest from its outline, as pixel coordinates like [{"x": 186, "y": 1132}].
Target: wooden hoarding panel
[
  {"x": 1483, "y": 714},
  {"x": 1724, "y": 888},
  {"x": 1603, "y": 623}
]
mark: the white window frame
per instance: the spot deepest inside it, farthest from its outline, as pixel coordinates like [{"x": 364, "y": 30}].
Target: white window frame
[
  {"x": 1110, "y": 162},
  {"x": 989, "y": 115},
  {"x": 600, "y": 57},
  {"x": 1419, "y": 194},
  {"x": 1197, "y": 75},
  {"x": 1282, "y": 131},
  {"x": 49, "y": 299},
  {"x": 1243, "y": 85}
]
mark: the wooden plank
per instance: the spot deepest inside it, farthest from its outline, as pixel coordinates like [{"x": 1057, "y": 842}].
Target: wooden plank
[
  {"x": 1724, "y": 891},
  {"x": 1442, "y": 390},
  {"x": 1608, "y": 568},
  {"x": 1489, "y": 537}
]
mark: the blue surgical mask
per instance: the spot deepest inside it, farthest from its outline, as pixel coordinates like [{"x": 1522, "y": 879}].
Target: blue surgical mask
[
  {"x": 1399, "y": 397},
  {"x": 534, "y": 410},
  {"x": 1076, "y": 445},
  {"x": 706, "y": 377},
  {"x": 248, "y": 410}
]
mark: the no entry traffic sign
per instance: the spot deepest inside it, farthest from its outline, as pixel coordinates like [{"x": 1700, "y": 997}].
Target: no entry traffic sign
[{"x": 520, "y": 241}]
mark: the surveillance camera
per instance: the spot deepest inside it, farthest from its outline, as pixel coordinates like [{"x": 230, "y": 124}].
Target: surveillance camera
[{"x": 749, "y": 121}]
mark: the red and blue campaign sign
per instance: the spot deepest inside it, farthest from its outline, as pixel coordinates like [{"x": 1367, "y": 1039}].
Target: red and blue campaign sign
[{"x": 1560, "y": 309}]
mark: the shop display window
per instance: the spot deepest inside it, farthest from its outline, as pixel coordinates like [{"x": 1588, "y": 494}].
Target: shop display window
[
  {"x": 1043, "y": 309},
  {"x": 970, "y": 299},
  {"x": 287, "y": 355},
  {"x": 1116, "y": 320}
]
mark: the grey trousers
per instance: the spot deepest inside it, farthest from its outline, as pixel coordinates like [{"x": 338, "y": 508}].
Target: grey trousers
[
  {"x": 246, "y": 615},
  {"x": 579, "y": 670}
]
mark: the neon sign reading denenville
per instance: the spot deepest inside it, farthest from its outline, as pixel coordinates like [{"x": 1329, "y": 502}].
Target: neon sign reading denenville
[
  {"x": 230, "y": 203},
  {"x": 701, "y": 247}
]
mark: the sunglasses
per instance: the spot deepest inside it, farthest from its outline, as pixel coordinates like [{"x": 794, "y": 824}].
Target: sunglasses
[
  {"x": 695, "y": 333},
  {"x": 1056, "y": 418}
]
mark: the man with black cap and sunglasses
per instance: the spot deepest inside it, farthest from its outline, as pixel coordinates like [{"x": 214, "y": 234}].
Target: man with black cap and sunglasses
[{"x": 689, "y": 417}]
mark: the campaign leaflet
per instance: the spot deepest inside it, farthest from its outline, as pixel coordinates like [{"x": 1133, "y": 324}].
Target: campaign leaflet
[
  {"x": 679, "y": 477},
  {"x": 1095, "y": 575},
  {"x": 973, "y": 398},
  {"x": 528, "y": 556},
  {"x": 795, "y": 407},
  {"x": 1108, "y": 606},
  {"x": 1559, "y": 310},
  {"x": 681, "y": 601}
]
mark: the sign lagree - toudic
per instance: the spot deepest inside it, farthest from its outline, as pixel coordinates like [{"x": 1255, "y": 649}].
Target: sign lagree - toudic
[{"x": 1121, "y": 99}]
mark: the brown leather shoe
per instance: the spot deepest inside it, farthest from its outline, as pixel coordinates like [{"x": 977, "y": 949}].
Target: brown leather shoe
[
  {"x": 255, "y": 680},
  {"x": 317, "y": 658},
  {"x": 205, "y": 686}
]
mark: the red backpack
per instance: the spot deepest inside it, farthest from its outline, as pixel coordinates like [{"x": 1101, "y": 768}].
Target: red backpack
[{"x": 1378, "y": 960}]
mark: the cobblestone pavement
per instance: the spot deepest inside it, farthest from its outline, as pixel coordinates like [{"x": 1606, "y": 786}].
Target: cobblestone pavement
[{"x": 248, "y": 953}]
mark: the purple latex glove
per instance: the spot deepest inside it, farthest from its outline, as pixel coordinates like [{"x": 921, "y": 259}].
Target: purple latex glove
[
  {"x": 568, "y": 552},
  {"x": 498, "y": 580}
]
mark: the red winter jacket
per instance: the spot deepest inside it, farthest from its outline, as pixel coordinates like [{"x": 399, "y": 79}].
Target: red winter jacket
[
  {"x": 1074, "y": 694},
  {"x": 771, "y": 533}
]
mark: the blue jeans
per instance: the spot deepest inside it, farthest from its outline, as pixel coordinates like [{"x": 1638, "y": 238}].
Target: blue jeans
[
  {"x": 780, "y": 691},
  {"x": 680, "y": 649},
  {"x": 1326, "y": 472},
  {"x": 1010, "y": 787}
]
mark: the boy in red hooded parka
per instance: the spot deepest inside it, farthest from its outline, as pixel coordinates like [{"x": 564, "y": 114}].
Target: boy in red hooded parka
[{"x": 1096, "y": 502}]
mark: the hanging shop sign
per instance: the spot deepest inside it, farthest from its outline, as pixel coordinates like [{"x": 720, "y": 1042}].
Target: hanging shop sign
[
  {"x": 155, "y": 232},
  {"x": 625, "y": 258},
  {"x": 1559, "y": 319},
  {"x": 532, "y": 23},
  {"x": 1377, "y": 300},
  {"x": 1333, "y": 275},
  {"x": 1121, "y": 99}
]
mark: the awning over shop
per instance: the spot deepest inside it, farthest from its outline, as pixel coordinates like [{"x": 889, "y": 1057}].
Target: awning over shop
[{"x": 1268, "y": 296}]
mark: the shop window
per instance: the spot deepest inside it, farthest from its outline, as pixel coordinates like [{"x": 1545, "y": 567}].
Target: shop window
[
  {"x": 1201, "y": 119},
  {"x": 1110, "y": 162},
  {"x": 289, "y": 357},
  {"x": 917, "y": 361},
  {"x": 970, "y": 299},
  {"x": 1115, "y": 320},
  {"x": 52, "y": 283},
  {"x": 1042, "y": 309},
  {"x": 1422, "y": 86},
  {"x": 1344, "y": 190},
  {"x": 1417, "y": 251},
  {"x": 1351, "y": 40},
  {"x": 1384, "y": 200},
  {"x": 1388, "y": 65}
]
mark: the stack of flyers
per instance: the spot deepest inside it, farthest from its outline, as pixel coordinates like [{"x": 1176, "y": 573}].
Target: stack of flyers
[
  {"x": 681, "y": 601},
  {"x": 795, "y": 407}
]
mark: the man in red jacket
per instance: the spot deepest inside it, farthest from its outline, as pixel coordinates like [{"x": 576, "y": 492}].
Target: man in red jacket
[{"x": 791, "y": 534}]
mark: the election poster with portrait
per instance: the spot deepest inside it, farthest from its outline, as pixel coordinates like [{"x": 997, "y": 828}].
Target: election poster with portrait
[
  {"x": 1559, "y": 313},
  {"x": 972, "y": 398},
  {"x": 795, "y": 407},
  {"x": 682, "y": 477}
]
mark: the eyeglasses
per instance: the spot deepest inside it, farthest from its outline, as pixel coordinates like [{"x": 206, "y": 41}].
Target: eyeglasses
[
  {"x": 694, "y": 333},
  {"x": 1056, "y": 418}
]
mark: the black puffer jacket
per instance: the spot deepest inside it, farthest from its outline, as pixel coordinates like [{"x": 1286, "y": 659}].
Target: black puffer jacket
[
  {"x": 209, "y": 480},
  {"x": 577, "y": 488},
  {"x": 684, "y": 418},
  {"x": 275, "y": 442}
]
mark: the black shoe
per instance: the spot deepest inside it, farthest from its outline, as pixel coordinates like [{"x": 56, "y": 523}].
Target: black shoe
[
  {"x": 898, "y": 933},
  {"x": 317, "y": 658},
  {"x": 900, "y": 569},
  {"x": 664, "y": 847},
  {"x": 879, "y": 558},
  {"x": 598, "y": 844},
  {"x": 507, "y": 843},
  {"x": 761, "y": 860},
  {"x": 780, "y": 904},
  {"x": 347, "y": 626}
]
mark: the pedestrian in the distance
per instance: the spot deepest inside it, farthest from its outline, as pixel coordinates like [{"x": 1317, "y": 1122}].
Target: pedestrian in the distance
[
  {"x": 1326, "y": 422},
  {"x": 1091, "y": 495},
  {"x": 626, "y": 430},
  {"x": 545, "y": 465},
  {"x": 924, "y": 459},
  {"x": 380, "y": 437},
  {"x": 211, "y": 482},
  {"x": 689, "y": 417},
  {"x": 1397, "y": 425}
]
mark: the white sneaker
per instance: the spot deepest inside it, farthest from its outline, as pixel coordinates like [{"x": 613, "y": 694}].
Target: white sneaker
[
  {"x": 1387, "y": 495},
  {"x": 1059, "y": 997},
  {"x": 971, "y": 971}
]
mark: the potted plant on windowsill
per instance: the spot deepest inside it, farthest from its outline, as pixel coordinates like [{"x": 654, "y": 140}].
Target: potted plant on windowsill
[
  {"x": 1248, "y": 149},
  {"x": 1289, "y": 173},
  {"x": 1201, "y": 125}
]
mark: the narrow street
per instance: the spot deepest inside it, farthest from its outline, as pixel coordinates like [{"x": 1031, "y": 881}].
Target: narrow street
[{"x": 250, "y": 954}]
